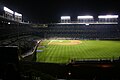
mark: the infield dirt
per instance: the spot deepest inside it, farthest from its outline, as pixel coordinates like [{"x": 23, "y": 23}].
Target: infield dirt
[{"x": 71, "y": 42}]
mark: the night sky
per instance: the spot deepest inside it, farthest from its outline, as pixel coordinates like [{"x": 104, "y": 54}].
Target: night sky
[{"x": 47, "y": 11}]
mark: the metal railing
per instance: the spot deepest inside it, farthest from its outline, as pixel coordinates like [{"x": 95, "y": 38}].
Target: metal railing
[{"x": 70, "y": 59}]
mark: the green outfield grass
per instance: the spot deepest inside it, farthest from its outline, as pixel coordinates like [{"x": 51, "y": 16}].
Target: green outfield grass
[{"x": 87, "y": 49}]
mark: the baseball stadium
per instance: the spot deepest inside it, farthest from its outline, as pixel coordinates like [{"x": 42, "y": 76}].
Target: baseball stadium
[{"x": 85, "y": 49}]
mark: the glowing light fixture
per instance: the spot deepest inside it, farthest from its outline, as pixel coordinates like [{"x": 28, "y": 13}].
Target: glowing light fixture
[
  {"x": 108, "y": 16},
  {"x": 17, "y": 14},
  {"x": 87, "y": 24},
  {"x": 8, "y": 10},
  {"x": 84, "y": 17},
  {"x": 8, "y": 22},
  {"x": 65, "y": 17}
]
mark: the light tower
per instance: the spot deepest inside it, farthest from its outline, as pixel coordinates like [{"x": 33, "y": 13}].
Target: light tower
[
  {"x": 18, "y": 17},
  {"x": 65, "y": 19},
  {"x": 85, "y": 19},
  {"x": 8, "y": 13},
  {"x": 108, "y": 19}
]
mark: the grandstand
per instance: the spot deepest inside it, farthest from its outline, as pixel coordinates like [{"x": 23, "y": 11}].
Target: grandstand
[{"x": 81, "y": 31}]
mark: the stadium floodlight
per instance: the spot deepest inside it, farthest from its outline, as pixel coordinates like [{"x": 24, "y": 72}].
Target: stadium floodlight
[
  {"x": 8, "y": 10},
  {"x": 108, "y": 16},
  {"x": 84, "y": 17},
  {"x": 65, "y": 17},
  {"x": 17, "y": 14}
]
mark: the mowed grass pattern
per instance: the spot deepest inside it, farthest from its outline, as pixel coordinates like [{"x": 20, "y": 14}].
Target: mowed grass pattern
[{"x": 88, "y": 49}]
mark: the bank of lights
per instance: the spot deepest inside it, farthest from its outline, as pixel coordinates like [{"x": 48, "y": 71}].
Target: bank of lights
[
  {"x": 108, "y": 16},
  {"x": 65, "y": 17},
  {"x": 17, "y": 14},
  {"x": 85, "y": 17},
  {"x": 8, "y": 10}
]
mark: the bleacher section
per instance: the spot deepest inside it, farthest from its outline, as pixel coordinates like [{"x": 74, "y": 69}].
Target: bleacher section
[
  {"x": 81, "y": 31},
  {"x": 13, "y": 33}
]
